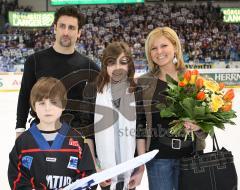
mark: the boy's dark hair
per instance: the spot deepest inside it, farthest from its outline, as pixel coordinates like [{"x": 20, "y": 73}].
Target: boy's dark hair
[
  {"x": 69, "y": 11},
  {"x": 47, "y": 87}
]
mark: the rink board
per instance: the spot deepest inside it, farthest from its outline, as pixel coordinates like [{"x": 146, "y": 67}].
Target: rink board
[{"x": 230, "y": 77}]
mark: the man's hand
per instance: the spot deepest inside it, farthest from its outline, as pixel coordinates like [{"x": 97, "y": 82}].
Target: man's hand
[
  {"x": 136, "y": 178},
  {"x": 18, "y": 134}
]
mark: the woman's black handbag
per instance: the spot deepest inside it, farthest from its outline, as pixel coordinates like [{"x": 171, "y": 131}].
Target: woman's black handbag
[{"x": 209, "y": 171}]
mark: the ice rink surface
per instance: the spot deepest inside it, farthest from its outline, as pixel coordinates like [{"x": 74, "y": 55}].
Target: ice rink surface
[{"x": 230, "y": 138}]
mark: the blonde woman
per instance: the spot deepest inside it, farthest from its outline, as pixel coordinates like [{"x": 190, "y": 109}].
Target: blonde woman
[{"x": 164, "y": 56}]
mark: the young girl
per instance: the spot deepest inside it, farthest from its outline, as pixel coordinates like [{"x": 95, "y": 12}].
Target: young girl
[
  {"x": 116, "y": 116},
  {"x": 49, "y": 155}
]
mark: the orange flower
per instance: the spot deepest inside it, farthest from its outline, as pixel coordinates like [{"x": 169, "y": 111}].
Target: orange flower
[
  {"x": 187, "y": 75},
  {"x": 200, "y": 96},
  {"x": 229, "y": 95},
  {"x": 181, "y": 83},
  {"x": 227, "y": 107},
  {"x": 221, "y": 85},
  {"x": 195, "y": 72},
  {"x": 199, "y": 83}
]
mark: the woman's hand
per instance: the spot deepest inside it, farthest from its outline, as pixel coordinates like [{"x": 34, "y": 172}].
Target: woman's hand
[{"x": 189, "y": 126}]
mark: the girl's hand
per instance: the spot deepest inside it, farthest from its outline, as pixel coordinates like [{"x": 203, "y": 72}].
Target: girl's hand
[
  {"x": 136, "y": 178},
  {"x": 106, "y": 183}
]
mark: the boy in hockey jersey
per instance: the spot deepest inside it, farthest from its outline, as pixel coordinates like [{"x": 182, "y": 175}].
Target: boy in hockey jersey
[{"x": 50, "y": 155}]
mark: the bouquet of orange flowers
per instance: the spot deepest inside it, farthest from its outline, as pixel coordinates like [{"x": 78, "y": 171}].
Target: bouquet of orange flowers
[{"x": 199, "y": 100}]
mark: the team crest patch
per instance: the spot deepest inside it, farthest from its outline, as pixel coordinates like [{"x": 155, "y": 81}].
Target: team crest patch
[
  {"x": 72, "y": 164},
  {"x": 27, "y": 161},
  {"x": 73, "y": 142}
]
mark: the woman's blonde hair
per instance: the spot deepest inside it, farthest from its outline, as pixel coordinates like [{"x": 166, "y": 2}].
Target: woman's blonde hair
[{"x": 172, "y": 36}]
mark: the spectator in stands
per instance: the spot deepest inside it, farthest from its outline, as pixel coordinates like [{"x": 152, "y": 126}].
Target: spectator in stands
[
  {"x": 61, "y": 61},
  {"x": 164, "y": 56},
  {"x": 202, "y": 32}
]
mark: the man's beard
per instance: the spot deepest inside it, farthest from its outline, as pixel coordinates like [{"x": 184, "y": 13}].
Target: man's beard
[{"x": 65, "y": 42}]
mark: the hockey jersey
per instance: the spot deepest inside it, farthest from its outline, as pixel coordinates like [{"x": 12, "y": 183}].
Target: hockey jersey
[{"x": 35, "y": 164}]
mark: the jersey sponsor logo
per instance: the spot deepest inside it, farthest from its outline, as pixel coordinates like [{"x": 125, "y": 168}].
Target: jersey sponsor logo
[
  {"x": 27, "y": 161},
  {"x": 56, "y": 182},
  {"x": 72, "y": 164},
  {"x": 73, "y": 142},
  {"x": 76, "y": 144},
  {"x": 49, "y": 159}
]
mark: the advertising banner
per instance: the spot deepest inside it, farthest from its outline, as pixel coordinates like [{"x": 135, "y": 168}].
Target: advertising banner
[
  {"x": 231, "y": 15},
  {"x": 31, "y": 19},
  {"x": 230, "y": 77},
  {"x": 10, "y": 82}
]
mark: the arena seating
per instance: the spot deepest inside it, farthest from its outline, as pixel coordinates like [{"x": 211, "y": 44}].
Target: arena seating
[{"x": 204, "y": 40}]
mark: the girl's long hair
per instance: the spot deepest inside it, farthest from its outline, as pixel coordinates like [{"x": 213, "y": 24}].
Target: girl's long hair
[{"x": 113, "y": 51}]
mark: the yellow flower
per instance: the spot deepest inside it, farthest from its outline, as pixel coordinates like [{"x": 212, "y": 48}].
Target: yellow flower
[
  {"x": 193, "y": 79},
  {"x": 211, "y": 85},
  {"x": 216, "y": 103}
]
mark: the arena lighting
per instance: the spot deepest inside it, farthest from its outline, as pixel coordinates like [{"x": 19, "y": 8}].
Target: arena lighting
[
  {"x": 88, "y": 2},
  {"x": 31, "y": 19},
  {"x": 231, "y": 15}
]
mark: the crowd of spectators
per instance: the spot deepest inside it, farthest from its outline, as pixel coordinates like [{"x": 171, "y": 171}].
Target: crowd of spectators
[
  {"x": 6, "y": 6},
  {"x": 204, "y": 35}
]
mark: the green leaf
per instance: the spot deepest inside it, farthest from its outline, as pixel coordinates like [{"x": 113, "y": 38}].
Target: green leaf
[
  {"x": 226, "y": 115},
  {"x": 177, "y": 128},
  {"x": 199, "y": 111},
  {"x": 206, "y": 127},
  {"x": 170, "y": 99},
  {"x": 167, "y": 112},
  {"x": 231, "y": 122},
  {"x": 212, "y": 118},
  {"x": 211, "y": 132},
  {"x": 161, "y": 106},
  {"x": 220, "y": 126},
  {"x": 188, "y": 104},
  {"x": 180, "y": 76},
  {"x": 169, "y": 79}
]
